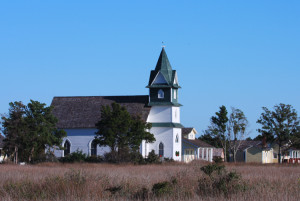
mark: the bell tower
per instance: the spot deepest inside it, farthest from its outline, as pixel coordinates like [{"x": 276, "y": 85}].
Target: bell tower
[{"x": 165, "y": 110}]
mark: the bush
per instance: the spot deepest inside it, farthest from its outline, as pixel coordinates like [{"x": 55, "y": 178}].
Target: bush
[
  {"x": 77, "y": 156},
  {"x": 168, "y": 160},
  {"x": 220, "y": 181},
  {"x": 94, "y": 159},
  {"x": 218, "y": 159},
  {"x": 137, "y": 158},
  {"x": 162, "y": 188},
  {"x": 152, "y": 158}
]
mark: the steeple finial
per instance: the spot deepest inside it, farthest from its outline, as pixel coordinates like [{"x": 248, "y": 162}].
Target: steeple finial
[{"x": 163, "y": 44}]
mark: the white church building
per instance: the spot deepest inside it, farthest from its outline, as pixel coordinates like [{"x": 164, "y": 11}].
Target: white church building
[{"x": 77, "y": 115}]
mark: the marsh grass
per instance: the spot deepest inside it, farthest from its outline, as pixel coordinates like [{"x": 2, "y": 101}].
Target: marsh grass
[{"x": 174, "y": 181}]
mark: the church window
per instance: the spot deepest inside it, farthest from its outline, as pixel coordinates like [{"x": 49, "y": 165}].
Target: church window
[
  {"x": 93, "y": 148},
  {"x": 175, "y": 94},
  {"x": 161, "y": 93},
  {"x": 67, "y": 148},
  {"x": 176, "y": 139},
  {"x": 161, "y": 150}
]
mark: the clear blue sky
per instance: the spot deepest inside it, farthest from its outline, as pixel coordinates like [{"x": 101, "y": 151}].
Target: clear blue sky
[{"x": 244, "y": 54}]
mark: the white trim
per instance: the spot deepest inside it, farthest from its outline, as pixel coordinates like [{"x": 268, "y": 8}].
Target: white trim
[
  {"x": 63, "y": 145},
  {"x": 90, "y": 147}
]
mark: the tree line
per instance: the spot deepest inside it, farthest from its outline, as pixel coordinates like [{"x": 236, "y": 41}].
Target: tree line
[
  {"x": 31, "y": 133},
  {"x": 228, "y": 131}
]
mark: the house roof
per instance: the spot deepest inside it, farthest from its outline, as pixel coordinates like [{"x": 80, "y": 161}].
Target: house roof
[
  {"x": 186, "y": 131},
  {"x": 246, "y": 144},
  {"x": 85, "y": 111},
  {"x": 1, "y": 141},
  {"x": 197, "y": 143}
]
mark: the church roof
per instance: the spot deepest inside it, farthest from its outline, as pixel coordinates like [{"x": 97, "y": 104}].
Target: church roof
[
  {"x": 84, "y": 111},
  {"x": 164, "y": 67}
]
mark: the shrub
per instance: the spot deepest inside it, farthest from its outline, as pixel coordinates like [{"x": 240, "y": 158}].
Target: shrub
[
  {"x": 162, "y": 188},
  {"x": 94, "y": 159},
  {"x": 217, "y": 159},
  {"x": 137, "y": 158},
  {"x": 77, "y": 156},
  {"x": 220, "y": 181},
  {"x": 152, "y": 158},
  {"x": 168, "y": 160},
  {"x": 211, "y": 168},
  {"x": 115, "y": 189}
]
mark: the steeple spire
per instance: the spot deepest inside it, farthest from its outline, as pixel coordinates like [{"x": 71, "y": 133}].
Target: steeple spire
[{"x": 163, "y": 65}]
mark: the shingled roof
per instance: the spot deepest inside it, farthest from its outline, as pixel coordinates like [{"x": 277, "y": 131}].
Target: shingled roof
[
  {"x": 197, "y": 143},
  {"x": 186, "y": 130},
  {"x": 84, "y": 111}
]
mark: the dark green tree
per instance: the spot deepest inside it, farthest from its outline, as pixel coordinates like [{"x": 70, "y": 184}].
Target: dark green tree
[
  {"x": 268, "y": 137},
  {"x": 42, "y": 132},
  {"x": 218, "y": 128},
  {"x": 120, "y": 131},
  {"x": 282, "y": 123},
  {"x": 209, "y": 139},
  {"x": 30, "y": 130},
  {"x": 295, "y": 139},
  {"x": 14, "y": 128},
  {"x": 138, "y": 132}
]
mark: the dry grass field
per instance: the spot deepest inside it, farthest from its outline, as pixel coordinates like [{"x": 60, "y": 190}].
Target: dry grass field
[{"x": 52, "y": 181}]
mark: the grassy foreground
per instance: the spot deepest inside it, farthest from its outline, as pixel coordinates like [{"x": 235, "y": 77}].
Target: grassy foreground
[{"x": 52, "y": 181}]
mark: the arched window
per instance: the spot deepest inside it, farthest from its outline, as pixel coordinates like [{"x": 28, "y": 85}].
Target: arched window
[
  {"x": 176, "y": 139},
  {"x": 67, "y": 148},
  {"x": 161, "y": 149},
  {"x": 175, "y": 94},
  {"x": 160, "y": 94},
  {"x": 93, "y": 148}
]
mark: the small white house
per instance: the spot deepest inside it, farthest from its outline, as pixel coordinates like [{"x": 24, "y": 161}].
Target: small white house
[{"x": 193, "y": 148}]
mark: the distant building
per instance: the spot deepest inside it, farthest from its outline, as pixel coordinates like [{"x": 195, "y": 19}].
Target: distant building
[
  {"x": 193, "y": 148},
  {"x": 255, "y": 151}
]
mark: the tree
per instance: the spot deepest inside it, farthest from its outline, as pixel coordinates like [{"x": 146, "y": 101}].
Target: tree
[
  {"x": 282, "y": 123},
  {"x": 209, "y": 139},
  {"x": 295, "y": 139},
  {"x": 268, "y": 138},
  {"x": 236, "y": 128},
  {"x": 13, "y": 127},
  {"x": 42, "y": 131},
  {"x": 120, "y": 131},
  {"x": 218, "y": 128},
  {"x": 30, "y": 129}
]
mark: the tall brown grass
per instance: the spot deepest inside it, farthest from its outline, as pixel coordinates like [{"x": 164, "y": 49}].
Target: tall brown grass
[{"x": 54, "y": 181}]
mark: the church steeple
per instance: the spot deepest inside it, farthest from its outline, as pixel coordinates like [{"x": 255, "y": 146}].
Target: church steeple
[
  {"x": 163, "y": 65},
  {"x": 163, "y": 83}
]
